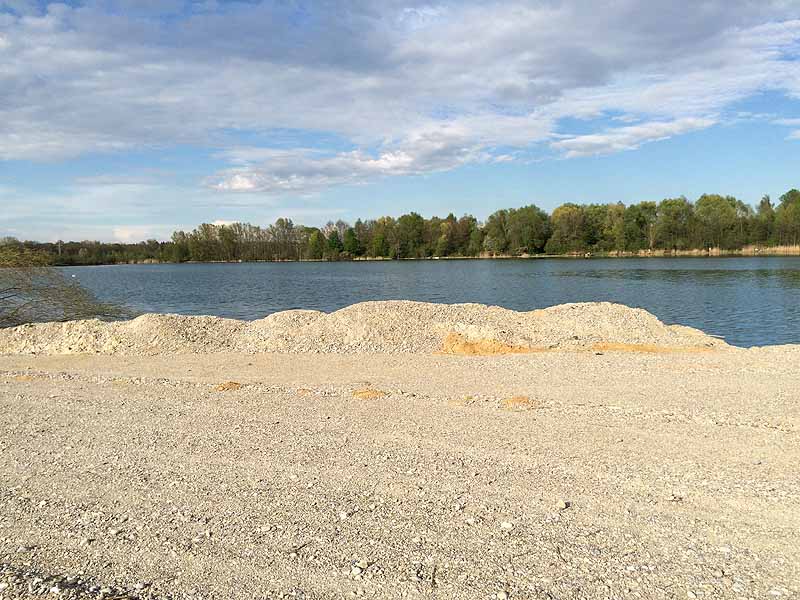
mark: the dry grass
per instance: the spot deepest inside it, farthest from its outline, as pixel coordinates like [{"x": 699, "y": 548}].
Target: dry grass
[
  {"x": 647, "y": 348},
  {"x": 456, "y": 343},
  {"x": 369, "y": 394},
  {"x": 519, "y": 403},
  {"x": 228, "y": 386}
]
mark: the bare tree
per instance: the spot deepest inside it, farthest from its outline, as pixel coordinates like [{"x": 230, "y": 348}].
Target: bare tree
[{"x": 33, "y": 291}]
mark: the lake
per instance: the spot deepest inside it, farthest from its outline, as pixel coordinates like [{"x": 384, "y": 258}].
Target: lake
[{"x": 747, "y": 301}]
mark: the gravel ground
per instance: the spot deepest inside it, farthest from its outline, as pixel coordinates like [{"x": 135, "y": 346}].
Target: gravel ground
[
  {"x": 551, "y": 475},
  {"x": 384, "y": 327}
]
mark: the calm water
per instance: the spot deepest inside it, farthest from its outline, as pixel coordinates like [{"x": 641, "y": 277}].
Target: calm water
[{"x": 748, "y": 301}]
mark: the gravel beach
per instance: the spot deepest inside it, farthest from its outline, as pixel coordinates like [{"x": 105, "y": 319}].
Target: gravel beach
[{"x": 584, "y": 451}]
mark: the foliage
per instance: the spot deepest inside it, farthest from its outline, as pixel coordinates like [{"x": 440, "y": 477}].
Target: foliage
[
  {"x": 31, "y": 290},
  {"x": 673, "y": 224},
  {"x": 787, "y": 218}
]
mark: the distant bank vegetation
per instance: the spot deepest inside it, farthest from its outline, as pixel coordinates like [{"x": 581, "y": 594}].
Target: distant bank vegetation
[{"x": 713, "y": 223}]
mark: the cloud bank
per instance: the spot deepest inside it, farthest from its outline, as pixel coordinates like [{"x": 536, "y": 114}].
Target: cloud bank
[{"x": 411, "y": 87}]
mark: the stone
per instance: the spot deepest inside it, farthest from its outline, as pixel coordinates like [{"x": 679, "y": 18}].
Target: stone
[{"x": 506, "y": 525}]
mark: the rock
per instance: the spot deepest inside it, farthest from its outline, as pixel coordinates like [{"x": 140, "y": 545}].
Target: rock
[
  {"x": 502, "y": 595},
  {"x": 564, "y": 504},
  {"x": 506, "y": 525},
  {"x": 355, "y": 570}
]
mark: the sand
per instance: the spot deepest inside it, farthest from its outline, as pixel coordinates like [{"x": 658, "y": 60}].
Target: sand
[{"x": 566, "y": 473}]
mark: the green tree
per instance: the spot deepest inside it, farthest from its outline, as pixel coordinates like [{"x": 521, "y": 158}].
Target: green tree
[
  {"x": 180, "y": 247},
  {"x": 228, "y": 244},
  {"x": 763, "y": 227},
  {"x": 351, "y": 244},
  {"x": 568, "y": 223},
  {"x": 787, "y": 218},
  {"x": 528, "y": 229},
  {"x": 673, "y": 224},
  {"x": 717, "y": 218},
  {"x": 411, "y": 236},
  {"x": 495, "y": 233},
  {"x": 335, "y": 245},
  {"x": 612, "y": 236},
  {"x": 316, "y": 245}
]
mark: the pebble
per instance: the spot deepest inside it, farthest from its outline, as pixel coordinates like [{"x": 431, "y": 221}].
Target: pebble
[
  {"x": 506, "y": 525},
  {"x": 502, "y": 595},
  {"x": 564, "y": 505}
]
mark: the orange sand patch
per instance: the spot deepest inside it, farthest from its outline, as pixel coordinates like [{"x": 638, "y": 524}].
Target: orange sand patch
[
  {"x": 456, "y": 343},
  {"x": 368, "y": 394},
  {"x": 23, "y": 378},
  {"x": 519, "y": 403},
  {"x": 228, "y": 386},
  {"x": 461, "y": 402},
  {"x": 648, "y": 348}
]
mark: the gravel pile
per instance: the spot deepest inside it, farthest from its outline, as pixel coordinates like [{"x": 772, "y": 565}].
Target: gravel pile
[{"x": 369, "y": 327}]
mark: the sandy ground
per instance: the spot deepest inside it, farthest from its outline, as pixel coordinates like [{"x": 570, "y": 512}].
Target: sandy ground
[{"x": 610, "y": 475}]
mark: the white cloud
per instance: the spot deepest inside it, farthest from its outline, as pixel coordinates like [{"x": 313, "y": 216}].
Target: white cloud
[
  {"x": 628, "y": 138},
  {"x": 128, "y": 234},
  {"x": 794, "y": 135},
  {"x": 787, "y": 122},
  {"x": 412, "y": 87}
]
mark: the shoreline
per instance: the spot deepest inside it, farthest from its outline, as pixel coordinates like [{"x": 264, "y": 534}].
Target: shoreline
[{"x": 747, "y": 252}]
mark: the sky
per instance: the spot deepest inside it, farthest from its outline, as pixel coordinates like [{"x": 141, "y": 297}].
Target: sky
[{"x": 123, "y": 120}]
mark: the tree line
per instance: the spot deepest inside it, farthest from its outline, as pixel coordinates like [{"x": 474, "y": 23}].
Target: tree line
[{"x": 671, "y": 225}]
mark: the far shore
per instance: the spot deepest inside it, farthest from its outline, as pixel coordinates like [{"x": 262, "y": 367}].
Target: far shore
[{"x": 747, "y": 251}]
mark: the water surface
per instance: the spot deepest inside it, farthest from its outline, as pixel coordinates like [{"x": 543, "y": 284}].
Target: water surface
[{"x": 747, "y": 301}]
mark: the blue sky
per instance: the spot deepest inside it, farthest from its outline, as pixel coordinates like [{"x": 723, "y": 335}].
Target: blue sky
[{"x": 127, "y": 119}]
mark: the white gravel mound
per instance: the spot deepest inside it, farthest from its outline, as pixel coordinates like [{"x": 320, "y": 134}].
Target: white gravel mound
[{"x": 369, "y": 327}]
